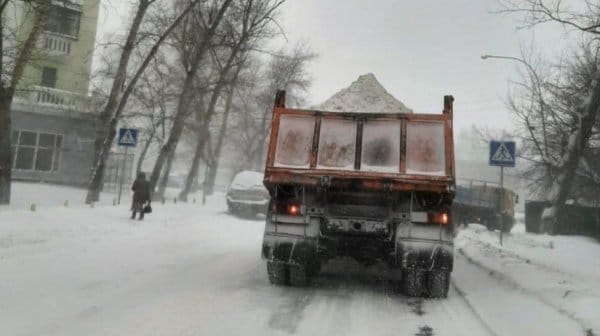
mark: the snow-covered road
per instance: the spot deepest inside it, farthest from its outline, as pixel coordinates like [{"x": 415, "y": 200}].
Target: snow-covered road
[{"x": 194, "y": 270}]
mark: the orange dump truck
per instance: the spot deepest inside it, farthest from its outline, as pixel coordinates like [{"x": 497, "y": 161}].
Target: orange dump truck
[{"x": 376, "y": 187}]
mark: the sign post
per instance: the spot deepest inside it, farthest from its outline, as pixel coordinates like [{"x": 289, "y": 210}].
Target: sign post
[
  {"x": 502, "y": 154},
  {"x": 127, "y": 138}
]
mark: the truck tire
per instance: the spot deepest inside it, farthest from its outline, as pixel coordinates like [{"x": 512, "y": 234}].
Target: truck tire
[
  {"x": 232, "y": 209},
  {"x": 507, "y": 222},
  {"x": 492, "y": 222},
  {"x": 438, "y": 284},
  {"x": 414, "y": 282},
  {"x": 299, "y": 275},
  {"x": 277, "y": 272}
]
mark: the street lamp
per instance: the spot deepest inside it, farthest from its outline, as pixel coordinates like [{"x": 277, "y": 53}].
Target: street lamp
[
  {"x": 537, "y": 87},
  {"x": 484, "y": 57}
]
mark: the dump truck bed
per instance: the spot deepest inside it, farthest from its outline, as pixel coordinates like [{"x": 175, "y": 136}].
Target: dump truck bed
[{"x": 374, "y": 151}]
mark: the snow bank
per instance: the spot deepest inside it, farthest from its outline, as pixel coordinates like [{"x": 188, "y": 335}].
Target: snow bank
[
  {"x": 48, "y": 195},
  {"x": 563, "y": 272},
  {"x": 365, "y": 94}
]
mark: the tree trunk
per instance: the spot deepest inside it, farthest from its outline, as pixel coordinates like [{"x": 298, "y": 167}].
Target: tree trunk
[
  {"x": 162, "y": 186},
  {"x": 142, "y": 156},
  {"x": 258, "y": 163},
  {"x": 7, "y": 93},
  {"x": 193, "y": 171},
  {"x": 185, "y": 98},
  {"x": 214, "y": 167},
  {"x": 205, "y": 132},
  {"x": 5, "y": 147},
  {"x": 168, "y": 149},
  {"x": 201, "y": 139},
  {"x": 116, "y": 102},
  {"x": 104, "y": 135}
]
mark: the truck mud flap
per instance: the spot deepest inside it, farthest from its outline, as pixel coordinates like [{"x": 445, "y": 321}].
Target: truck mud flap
[
  {"x": 291, "y": 251},
  {"x": 436, "y": 257}
]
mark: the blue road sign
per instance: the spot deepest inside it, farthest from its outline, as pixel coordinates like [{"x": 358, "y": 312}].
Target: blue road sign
[
  {"x": 128, "y": 137},
  {"x": 502, "y": 153}
]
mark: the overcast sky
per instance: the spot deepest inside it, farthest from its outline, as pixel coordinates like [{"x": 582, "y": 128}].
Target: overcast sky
[{"x": 418, "y": 50}]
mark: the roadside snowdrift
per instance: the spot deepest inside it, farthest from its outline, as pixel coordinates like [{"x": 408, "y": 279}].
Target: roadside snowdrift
[{"x": 563, "y": 272}]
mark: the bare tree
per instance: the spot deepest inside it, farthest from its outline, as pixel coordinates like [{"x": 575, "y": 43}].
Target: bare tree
[
  {"x": 286, "y": 70},
  {"x": 214, "y": 154},
  {"x": 11, "y": 70},
  {"x": 120, "y": 90},
  {"x": 248, "y": 24},
  {"x": 535, "y": 12},
  {"x": 207, "y": 20},
  {"x": 559, "y": 104},
  {"x": 152, "y": 105}
]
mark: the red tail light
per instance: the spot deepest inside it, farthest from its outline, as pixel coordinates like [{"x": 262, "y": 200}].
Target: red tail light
[
  {"x": 293, "y": 209},
  {"x": 438, "y": 217}
]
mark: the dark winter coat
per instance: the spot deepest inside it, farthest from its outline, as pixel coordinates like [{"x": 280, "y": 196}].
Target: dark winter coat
[{"x": 141, "y": 191}]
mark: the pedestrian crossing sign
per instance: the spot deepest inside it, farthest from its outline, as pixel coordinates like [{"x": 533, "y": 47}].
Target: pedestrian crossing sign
[
  {"x": 502, "y": 153},
  {"x": 128, "y": 137}
]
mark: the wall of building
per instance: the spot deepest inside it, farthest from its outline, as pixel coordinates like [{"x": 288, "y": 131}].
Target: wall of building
[
  {"x": 74, "y": 68},
  {"x": 64, "y": 109},
  {"x": 77, "y": 152}
]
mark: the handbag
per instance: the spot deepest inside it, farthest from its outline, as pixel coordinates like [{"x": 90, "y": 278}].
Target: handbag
[{"x": 148, "y": 208}]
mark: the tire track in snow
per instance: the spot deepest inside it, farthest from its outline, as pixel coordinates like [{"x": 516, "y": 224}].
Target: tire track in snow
[
  {"x": 289, "y": 313},
  {"x": 472, "y": 308},
  {"x": 344, "y": 305}
]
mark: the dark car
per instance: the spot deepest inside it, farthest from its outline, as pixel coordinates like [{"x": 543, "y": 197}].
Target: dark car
[{"x": 247, "y": 195}]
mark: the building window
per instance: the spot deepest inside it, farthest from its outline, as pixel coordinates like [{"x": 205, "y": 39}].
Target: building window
[
  {"x": 49, "y": 77},
  {"x": 36, "y": 151},
  {"x": 63, "y": 21}
]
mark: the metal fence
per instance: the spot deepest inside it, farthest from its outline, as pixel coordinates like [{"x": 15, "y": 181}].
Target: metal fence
[{"x": 574, "y": 219}]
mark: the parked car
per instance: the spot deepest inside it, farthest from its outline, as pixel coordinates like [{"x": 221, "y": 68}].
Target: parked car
[{"x": 247, "y": 195}]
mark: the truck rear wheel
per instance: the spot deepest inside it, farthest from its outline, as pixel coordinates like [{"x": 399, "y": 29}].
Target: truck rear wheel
[
  {"x": 414, "y": 282},
  {"x": 492, "y": 222},
  {"x": 299, "y": 275},
  {"x": 278, "y": 273},
  {"x": 438, "y": 284},
  {"x": 507, "y": 222}
]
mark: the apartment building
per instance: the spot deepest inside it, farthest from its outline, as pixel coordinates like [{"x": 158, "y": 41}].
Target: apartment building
[{"x": 53, "y": 115}]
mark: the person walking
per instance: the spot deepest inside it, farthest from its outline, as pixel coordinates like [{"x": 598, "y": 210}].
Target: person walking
[{"x": 141, "y": 195}]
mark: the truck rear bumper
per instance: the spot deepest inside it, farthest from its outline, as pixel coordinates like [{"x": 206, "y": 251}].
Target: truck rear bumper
[{"x": 404, "y": 253}]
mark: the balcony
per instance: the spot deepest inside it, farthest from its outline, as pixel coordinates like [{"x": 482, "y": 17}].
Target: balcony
[
  {"x": 55, "y": 44},
  {"x": 55, "y": 99},
  {"x": 72, "y": 4}
]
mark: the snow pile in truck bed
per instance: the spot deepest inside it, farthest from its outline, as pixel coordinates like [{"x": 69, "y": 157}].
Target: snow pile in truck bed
[{"x": 365, "y": 94}]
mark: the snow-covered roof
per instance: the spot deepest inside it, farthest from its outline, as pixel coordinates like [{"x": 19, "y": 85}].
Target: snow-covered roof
[
  {"x": 248, "y": 180},
  {"x": 365, "y": 94}
]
